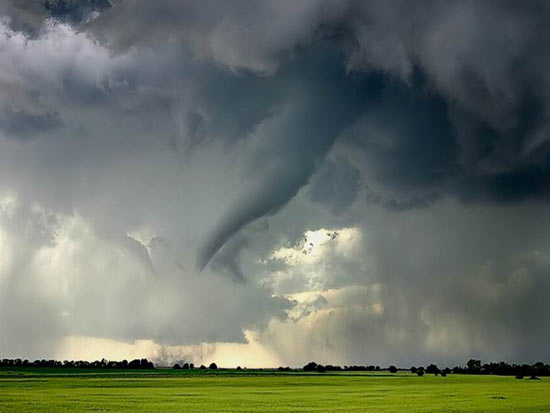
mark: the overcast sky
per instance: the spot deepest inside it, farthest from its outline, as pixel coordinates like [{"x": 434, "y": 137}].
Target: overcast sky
[{"x": 267, "y": 183}]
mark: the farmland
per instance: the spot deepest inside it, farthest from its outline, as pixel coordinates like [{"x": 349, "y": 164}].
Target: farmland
[{"x": 165, "y": 390}]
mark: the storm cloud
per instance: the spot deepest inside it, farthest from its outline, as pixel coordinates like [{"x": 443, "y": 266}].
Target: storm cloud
[{"x": 343, "y": 180}]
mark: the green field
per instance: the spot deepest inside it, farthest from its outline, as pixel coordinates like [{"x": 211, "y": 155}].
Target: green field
[{"x": 61, "y": 390}]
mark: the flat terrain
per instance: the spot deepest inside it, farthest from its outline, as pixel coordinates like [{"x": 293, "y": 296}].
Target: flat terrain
[{"x": 61, "y": 390}]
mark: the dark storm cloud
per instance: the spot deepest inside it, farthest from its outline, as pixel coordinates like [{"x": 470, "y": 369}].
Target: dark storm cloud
[
  {"x": 25, "y": 16},
  {"x": 405, "y": 145},
  {"x": 336, "y": 184},
  {"x": 469, "y": 120},
  {"x": 482, "y": 270},
  {"x": 480, "y": 132},
  {"x": 30, "y": 16},
  {"x": 287, "y": 146},
  {"x": 227, "y": 259},
  {"x": 24, "y": 125},
  {"x": 187, "y": 121},
  {"x": 74, "y": 11}
]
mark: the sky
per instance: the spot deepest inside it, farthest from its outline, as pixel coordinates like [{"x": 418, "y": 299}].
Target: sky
[{"x": 266, "y": 183}]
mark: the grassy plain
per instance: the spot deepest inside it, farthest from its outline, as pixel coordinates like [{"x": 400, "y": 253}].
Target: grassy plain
[{"x": 61, "y": 390}]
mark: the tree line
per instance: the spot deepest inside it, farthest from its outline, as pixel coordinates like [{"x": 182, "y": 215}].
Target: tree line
[
  {"x": 504, "y": 369},
  {"x": 137, "y": 364},
  {"x": 473, "y": 366},
  {"x": 191, "y": 366},
  {"x": 312, "y": 366}
]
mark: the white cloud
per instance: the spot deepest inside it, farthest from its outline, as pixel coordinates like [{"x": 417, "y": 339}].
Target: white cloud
[{"x": 310, "y": 265}]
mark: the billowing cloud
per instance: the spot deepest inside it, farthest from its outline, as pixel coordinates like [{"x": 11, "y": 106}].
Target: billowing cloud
[{"x": 344, "y": 181}]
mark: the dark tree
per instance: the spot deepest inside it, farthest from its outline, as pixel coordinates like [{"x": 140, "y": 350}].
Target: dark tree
[
  {"x": 176, "y": 366},
  {"x": 413, "y": 370},
  {"x": 432, "y": 369},
  {"x": 420, "y": 372},
  {"x": 213, "y": 366},
  {"x": 311, "y": 366},
  {"x": 474, "y": 366},
  {"x": 393, "y": 369}
]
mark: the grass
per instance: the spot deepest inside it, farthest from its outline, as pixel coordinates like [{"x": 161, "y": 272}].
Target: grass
[{"x": 60, "y": 390}]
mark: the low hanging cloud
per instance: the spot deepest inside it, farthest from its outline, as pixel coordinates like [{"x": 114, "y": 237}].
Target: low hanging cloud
[{"x": 159, "y": 159}]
